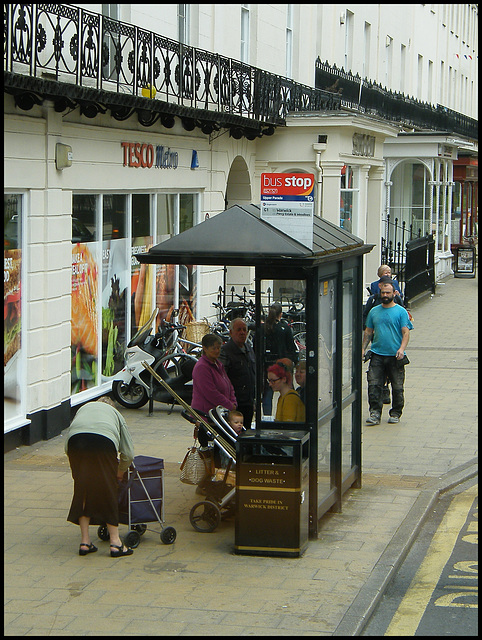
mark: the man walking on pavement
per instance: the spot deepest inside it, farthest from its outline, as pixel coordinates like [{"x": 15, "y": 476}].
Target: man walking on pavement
[
  {"x": 238, "y": 359},
  {"x": 388, "y": 327}
]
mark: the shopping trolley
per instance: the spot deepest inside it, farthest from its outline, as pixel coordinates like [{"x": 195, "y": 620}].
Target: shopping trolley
[{"x": 141, "y": 501}]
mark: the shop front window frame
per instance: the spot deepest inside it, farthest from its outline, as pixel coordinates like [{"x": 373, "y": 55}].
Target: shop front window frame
[{"x": 97, "y": 237}]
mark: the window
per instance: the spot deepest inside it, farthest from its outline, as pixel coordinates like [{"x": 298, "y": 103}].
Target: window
[
  {"x": 289, "y": 40},
  {"x": 12, "y": 309},
  {"x": 349, "y": 190},
  {"x": 245, "y": 33},
  {"x": 410, "y": 197},
  {"x": 111, "y": 41},
  {"x": 349, "y": 41},
  {"x": 366, "y": 57},
  {"x": 112, "y": 293}
]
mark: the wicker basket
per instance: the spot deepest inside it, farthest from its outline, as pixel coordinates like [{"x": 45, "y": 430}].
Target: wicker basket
[{"x": 195, "y": 331}]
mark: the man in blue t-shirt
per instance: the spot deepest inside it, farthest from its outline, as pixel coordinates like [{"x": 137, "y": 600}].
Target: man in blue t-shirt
[{"x": 388, "y": 327}]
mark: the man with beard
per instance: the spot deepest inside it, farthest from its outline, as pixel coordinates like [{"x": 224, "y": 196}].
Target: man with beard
[{"x": 388, "y": 326}]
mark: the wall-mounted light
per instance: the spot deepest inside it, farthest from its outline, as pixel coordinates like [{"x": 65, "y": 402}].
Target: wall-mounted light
[{"x": 63, "y": 156}]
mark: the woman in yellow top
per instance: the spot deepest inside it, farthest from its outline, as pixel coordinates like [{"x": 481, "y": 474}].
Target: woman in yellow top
[{"x": 290, "y": 406}]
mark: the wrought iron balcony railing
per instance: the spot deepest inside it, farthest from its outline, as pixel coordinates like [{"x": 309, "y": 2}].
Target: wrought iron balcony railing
[
  {"x": 370, "y": 97},
  {"x": 78, "y": 57}
]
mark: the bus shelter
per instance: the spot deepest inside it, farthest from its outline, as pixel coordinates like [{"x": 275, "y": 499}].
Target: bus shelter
[{"x": 329, "y": 278}]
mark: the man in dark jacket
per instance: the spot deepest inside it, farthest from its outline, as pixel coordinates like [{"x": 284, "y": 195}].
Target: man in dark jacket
[{"x": 238, "y": 359}]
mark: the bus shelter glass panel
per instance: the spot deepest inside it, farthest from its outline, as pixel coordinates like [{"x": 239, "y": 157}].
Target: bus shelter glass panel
[
  {"x": 349, "y": 317},
  {"x": 326, "y": 358},
  {"x": 283, "y": 338}
]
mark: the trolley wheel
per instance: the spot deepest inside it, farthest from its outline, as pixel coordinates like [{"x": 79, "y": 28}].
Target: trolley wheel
[
  {"x": 140, "y": 528},
  {"x": 205, "y": 516},
  {"x": 103, "y": 533},
  {"x": 132, "y": 539},
  {"x": 168, "y": 535}
]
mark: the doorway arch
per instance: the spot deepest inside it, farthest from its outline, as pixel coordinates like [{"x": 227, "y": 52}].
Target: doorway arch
[
  {"x": 238, "y": 187},
  {"x": 238, "y": 191}
]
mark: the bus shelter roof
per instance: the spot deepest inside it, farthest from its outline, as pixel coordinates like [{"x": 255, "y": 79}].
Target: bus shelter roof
[{"x": 238, "y": 236}]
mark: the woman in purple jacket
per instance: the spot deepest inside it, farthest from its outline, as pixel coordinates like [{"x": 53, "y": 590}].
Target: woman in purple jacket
[{"x": 211, "y": 385}]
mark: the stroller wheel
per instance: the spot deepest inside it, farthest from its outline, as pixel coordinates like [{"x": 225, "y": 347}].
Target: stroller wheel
[
  {"x": 103, "y": 533},
  {"x": 205, "y": 516},
  {"x": 132, "y": 539},
  {"x": 168, "y": 535}
]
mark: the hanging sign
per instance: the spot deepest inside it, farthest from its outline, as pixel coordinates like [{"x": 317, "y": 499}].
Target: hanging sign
[{"x": 287, "y": 203}]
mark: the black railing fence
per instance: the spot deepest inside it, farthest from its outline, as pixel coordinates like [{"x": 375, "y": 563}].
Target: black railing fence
[
  {"x": 370, "y": 97},
  {"x": 410, "y": 256},
  {"x": 71, "y": 45}
]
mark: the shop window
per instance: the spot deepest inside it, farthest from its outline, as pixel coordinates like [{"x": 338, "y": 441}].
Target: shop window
[
  {"x": 112, "y": 294},
  {"x": 115, "y": 283},
  {"x": 142, "y": 276},
  {"x": 85, "y": 293},
  {"x": 12, "y": 308}
]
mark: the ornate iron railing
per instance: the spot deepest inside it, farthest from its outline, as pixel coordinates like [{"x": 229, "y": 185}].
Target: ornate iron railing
[
  {"x": 73, "y": 46},
  {"x": 369, "y": 97}
]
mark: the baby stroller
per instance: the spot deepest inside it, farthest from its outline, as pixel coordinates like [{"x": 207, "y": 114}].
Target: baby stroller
[
  {"x": 206, "y": 515},
  {"x": 141, "y": 500},
  {"x": 220, "y": 490}
]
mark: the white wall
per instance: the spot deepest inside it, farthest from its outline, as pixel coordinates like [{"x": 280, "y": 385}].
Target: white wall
[{"x": 430, "y": 33}]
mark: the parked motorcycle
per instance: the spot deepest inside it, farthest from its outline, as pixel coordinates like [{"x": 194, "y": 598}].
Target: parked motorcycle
[{"x": 134, "y": 385}]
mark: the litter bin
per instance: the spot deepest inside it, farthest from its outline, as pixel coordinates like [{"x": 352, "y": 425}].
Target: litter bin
[
  {"x": 465, "y": 259},
  {"x": 272, "y": 506}
]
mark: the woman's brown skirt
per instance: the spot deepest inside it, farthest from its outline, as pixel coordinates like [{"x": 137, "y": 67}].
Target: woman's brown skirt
[{"x": 93, "y": 462}]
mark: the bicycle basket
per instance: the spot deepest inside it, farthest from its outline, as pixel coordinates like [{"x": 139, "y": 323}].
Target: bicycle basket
[{"x": 195, "y": 330}]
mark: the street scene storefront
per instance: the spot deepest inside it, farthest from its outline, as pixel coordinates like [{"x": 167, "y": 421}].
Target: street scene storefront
[{"x": 99, "y": 167}]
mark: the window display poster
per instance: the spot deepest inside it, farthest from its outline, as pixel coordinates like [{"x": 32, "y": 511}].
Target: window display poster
[
  {"x": 12, "y": 324},
  {"x": 142, "y": 282},
  {"x": 84, "y": 331},
  {"x": 115, "y": 281}
]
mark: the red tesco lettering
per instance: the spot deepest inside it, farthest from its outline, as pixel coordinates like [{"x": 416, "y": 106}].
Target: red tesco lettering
[{"x": 138, "y": 155}]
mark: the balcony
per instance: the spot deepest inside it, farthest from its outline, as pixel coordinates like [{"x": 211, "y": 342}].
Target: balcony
[
  {"x": 80, "y": 59},
  {"x": 369, "y": 97}
]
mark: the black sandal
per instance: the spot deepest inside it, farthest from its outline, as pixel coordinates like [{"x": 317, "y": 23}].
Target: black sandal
[
  {"x": 90, "y": 548},
  {"x": 120, "y": 551}
]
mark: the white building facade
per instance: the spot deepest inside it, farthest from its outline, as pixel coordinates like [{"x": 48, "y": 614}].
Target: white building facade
[{"x": 89, "y": 183}]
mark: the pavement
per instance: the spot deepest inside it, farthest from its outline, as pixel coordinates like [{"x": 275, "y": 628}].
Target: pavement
[{"x": 198, "y": 586}]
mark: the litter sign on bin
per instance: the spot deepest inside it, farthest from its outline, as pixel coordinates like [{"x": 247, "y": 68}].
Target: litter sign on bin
[{"x": 272, "y": 471}]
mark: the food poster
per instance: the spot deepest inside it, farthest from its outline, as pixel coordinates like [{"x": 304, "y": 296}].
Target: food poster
[
  {"x": 84, "y": 333},
  {"x": 115, "y": 282},
  {"x": 187, "y": 297},
  {"x": 12, "y": 324},
  {"x": 142, "y": 282},
  {"x": 165, "y": 278}
]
